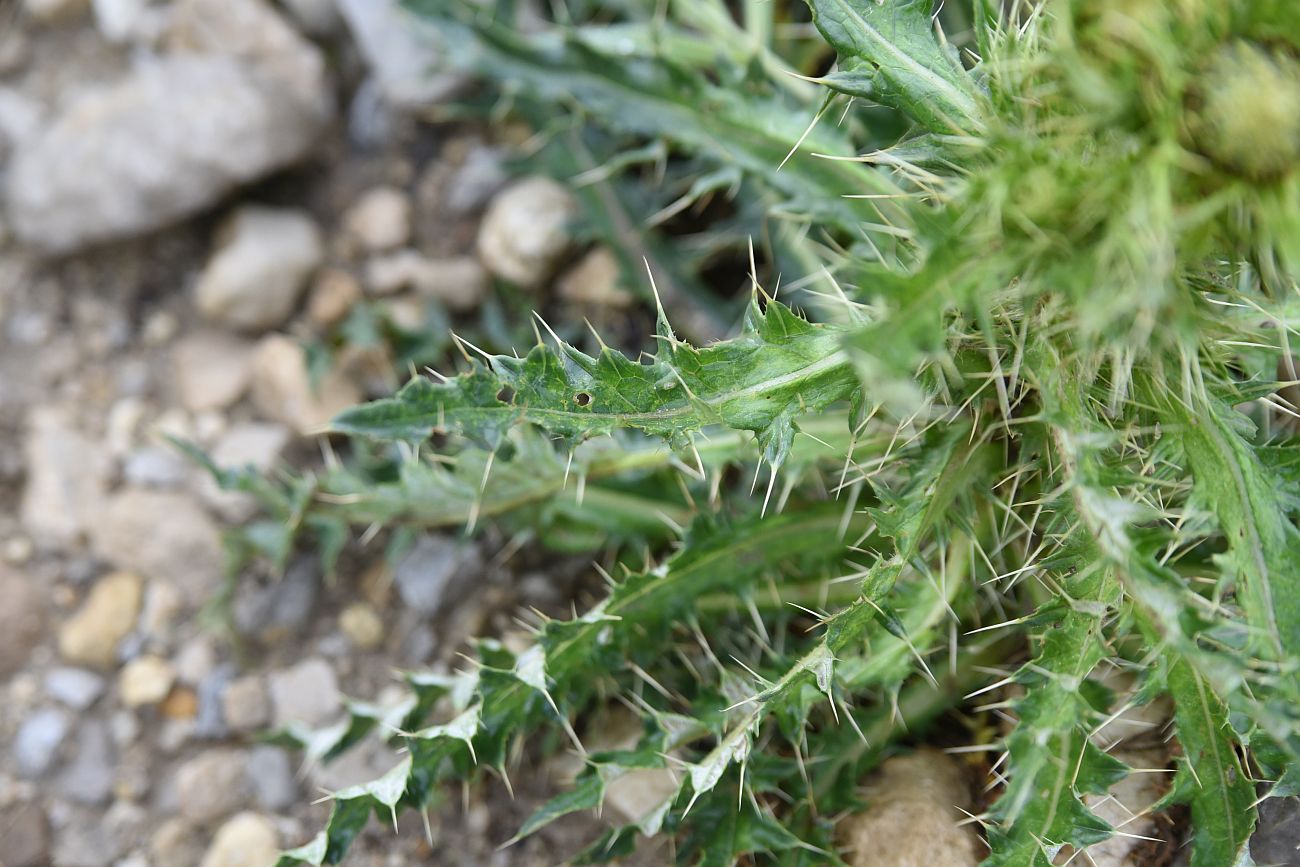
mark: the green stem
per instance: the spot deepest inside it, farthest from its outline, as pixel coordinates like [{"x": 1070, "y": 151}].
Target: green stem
[
  {"x": 758, "y": 22},
  {"x": 919, "y": 704}
]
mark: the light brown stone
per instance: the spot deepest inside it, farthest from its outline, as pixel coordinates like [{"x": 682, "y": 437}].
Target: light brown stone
[
  {"x": 145, "y": 680},
  {"x": 282, "y": 390},
  {"x": 91, "y": 636},
  {"x": 913, "y": 817}
]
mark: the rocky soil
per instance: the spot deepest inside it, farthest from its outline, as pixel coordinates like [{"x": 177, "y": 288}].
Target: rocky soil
[{"x": 194, "y": 191}]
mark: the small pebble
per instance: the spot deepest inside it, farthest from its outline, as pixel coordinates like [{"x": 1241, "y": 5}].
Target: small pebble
[
  {"x": 246, "y": 840},
  {"x": 332, "y": 297},
  {"x": 307, "y": 692},
  {"x": 253, "y": 281},
  {"x": 181, "y": 703},
  {"x": 91, "y": 636},
  {"x": 525, "y": 232},
  {"x": 380, "y": 219},
  {"x": 145, "y": 680},
  {"x": 38, "y": 739},
  {"x": 245, "y": 704},
  {"x": 75, "y": 687},
  {"x": 362, "y": 625}
]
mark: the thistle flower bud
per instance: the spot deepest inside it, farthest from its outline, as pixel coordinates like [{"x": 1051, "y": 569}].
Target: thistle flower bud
[{"x": 1248, "y": 117}]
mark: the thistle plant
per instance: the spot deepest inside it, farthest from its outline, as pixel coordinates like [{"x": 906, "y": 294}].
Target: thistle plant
[{"x": 1035, "y": 430}]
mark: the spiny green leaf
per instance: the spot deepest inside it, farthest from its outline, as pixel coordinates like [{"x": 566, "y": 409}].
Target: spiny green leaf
[
  {"x": 507, "y": 693},
  {"x": 453, "y": 490},
  {"x": 1061, "y": 241},
  {"x": 658, "y": 97},
  {"x": 1052, "y": 763},
  {"x": 780, "y": 367},
  {"x": 893, "y": 645},
  {"x": 726, "y": 831},
  {"x": 1211, "y": 776},
  {"x": 1263, "y": 541},
  {"x": 895, "y": 59},
  {"x": 586, "y": 794}
]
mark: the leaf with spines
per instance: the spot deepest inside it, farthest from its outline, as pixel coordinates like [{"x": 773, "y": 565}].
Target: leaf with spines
[
  {"x": 1263, "y": 542},
  {"x": 889, "y": 53},
  {"x": 925, "y": 606},
  {"x": 1052, "y": 763},
  {"x": 508, "y": 694},
  {"x": 1211, "y": 777},
  {"x": 670, "y": 732},
  {"x": 590, "y": 484},
  {"x": 601, "y": 491},
  {"x": 895, "y": 639},
  {"x": 780, "y": 367},
  {"x": 754, "y": 126}
]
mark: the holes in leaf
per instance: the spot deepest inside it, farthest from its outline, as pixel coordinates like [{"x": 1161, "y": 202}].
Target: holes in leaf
[
  {"x": 582, "y": 399},
  {"x": 506, "y": 394}
]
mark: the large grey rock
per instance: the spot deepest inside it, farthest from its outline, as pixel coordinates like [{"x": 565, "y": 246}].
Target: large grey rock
[
  {"x": 401, "y": 51},
  {"x": 240, "y": 95},
  {"x": 254, "y": 280}
]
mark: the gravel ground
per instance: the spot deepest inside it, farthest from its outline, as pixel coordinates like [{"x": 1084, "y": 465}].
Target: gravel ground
[{"x": 194, "y": 190}]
